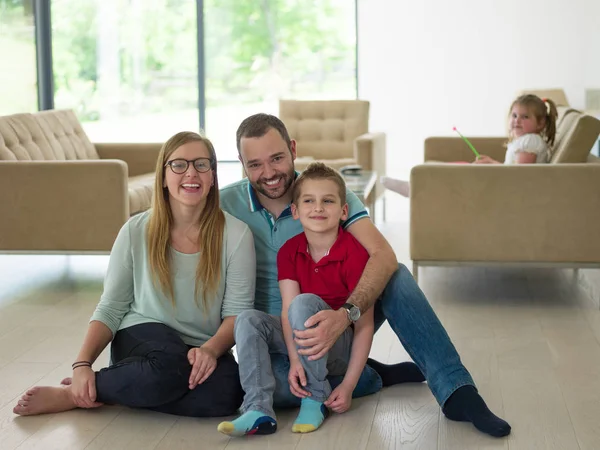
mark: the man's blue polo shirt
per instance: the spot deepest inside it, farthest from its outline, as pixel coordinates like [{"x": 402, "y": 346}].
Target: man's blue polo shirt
[{"x": 240, "y": 200}]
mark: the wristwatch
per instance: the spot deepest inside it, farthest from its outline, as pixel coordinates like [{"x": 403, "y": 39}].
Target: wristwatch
[{"x": 353, "y": 311}]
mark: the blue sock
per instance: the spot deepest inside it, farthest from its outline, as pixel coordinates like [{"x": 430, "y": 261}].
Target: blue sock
[
  {"x": 311, "y": 416},
  {"x": 251, "y": 422}
]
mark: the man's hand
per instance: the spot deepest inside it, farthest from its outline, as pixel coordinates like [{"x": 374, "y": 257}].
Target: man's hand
[
  {"x": 297, "y": 379},
  {"x": 340, "y": 399},
  {"x": 203, "y": 364},
  {"x": 323, "y": 329}
]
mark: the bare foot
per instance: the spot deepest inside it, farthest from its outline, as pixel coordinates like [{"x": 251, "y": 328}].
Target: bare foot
[
  {"x": 44, "y": 400},
  {"x": 66, "y": 381},
  {"x": 400, "y": 186}
]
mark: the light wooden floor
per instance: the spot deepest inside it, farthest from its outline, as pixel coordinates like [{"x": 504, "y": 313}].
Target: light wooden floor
[{"x": 530, "y": 338}]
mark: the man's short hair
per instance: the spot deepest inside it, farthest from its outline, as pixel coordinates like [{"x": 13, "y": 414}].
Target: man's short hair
[
  {"x": 258, "y": 125},
  {"x": 319, "y": 171}
]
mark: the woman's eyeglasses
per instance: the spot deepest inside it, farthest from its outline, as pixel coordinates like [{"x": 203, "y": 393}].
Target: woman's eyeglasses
[{"x": 180, "y": 166}]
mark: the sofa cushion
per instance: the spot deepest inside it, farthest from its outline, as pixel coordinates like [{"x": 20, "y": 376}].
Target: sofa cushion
[
  {"x": 65, "y": 134},
  {"x": 22, "y": 139},
  {"x": 140, "y": 193}
]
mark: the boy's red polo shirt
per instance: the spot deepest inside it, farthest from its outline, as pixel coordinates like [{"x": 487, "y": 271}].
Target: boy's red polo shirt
[{"x": 334, "y": 277}]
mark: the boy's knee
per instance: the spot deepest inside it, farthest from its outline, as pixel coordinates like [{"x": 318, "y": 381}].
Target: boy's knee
[
  {"x": 303, "y": 307},
  {"x": 248, "y": 322}
]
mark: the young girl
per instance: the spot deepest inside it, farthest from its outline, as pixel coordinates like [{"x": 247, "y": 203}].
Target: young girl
[{"x": 531, "y": 134}]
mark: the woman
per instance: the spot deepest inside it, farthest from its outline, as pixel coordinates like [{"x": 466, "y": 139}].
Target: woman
[{"x": 178, "y": 276}]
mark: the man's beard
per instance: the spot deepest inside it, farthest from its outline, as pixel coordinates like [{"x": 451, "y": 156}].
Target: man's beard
[{"x": 273, "y": 195}]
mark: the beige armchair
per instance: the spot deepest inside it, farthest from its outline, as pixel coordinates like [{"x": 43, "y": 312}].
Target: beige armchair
[{"x": 336, "y": 133}]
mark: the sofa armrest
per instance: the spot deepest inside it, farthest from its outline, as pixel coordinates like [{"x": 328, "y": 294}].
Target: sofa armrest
[
  {"x": 520, "y": 213},
  {"x": 449, "y": 149},
  {"x": 369, "y": 150},
  {"x": 370, "y": 153},
  {"x": 140, "y": 157},
  {"x": 62, "y": 206}
]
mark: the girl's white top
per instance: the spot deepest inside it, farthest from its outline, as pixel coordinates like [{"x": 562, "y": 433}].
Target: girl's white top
[{"x": 528, "y": 143}]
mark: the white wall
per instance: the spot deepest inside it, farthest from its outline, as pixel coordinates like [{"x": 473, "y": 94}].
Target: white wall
[{"x": 429, "y": 65}]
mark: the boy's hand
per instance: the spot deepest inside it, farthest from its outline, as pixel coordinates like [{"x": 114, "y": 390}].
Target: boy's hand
[
  {"x": 322, "y": 331},
  {"x": 340, "y": 399},
  {"x": 297, "y": 379}
]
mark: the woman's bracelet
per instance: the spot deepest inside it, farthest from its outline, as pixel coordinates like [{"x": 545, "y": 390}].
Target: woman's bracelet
[{"x": 77, "y": 364}]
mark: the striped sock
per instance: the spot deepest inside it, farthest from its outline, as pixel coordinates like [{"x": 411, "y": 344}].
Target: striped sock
[
  {"x": 311, "y": 416},
  {"x": 251, "y": 422}
]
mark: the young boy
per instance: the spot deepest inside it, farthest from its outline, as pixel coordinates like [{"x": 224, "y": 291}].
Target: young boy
[
  {"x": 317, "y": 270},
  {"x": 323, "y": 264}
]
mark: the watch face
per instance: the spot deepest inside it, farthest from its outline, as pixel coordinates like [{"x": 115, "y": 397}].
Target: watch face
[{"x": 354, "y": 313}]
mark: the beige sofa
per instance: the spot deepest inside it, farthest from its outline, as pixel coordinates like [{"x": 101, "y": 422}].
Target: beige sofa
[
  {"x": 535, "y": 214},
  {"x": 335, "y": 132},
  {"x": 59, "y": 192}
]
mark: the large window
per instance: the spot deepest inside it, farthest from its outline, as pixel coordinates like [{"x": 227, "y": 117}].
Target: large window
[
  {"x": 132, "y": 69},
  {"x": 260, "y": 52},
  {"x": 127, "y": 67},
  {"x": 18, "y": 86}
]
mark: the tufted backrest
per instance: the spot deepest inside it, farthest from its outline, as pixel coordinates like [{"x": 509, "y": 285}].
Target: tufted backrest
[
  {"x": 22, "y": 139},
  {"x": 325, "y": 129},
  {"x": 65, "y": 134},
  {"x": 46, "y": 135}
]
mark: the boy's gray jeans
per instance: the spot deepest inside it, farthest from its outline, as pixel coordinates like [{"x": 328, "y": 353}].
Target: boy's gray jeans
[{"x": 259, "y": 335}]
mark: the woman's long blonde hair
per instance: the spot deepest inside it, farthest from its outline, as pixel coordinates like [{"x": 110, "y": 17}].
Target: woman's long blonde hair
[{"x": 211, "y": 224}]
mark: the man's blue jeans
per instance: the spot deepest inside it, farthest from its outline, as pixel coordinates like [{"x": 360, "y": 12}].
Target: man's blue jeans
[{"x": 408, "y": 312}]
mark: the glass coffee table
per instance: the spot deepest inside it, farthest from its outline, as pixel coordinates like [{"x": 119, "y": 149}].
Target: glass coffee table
[{"x": 363, "y": 184}]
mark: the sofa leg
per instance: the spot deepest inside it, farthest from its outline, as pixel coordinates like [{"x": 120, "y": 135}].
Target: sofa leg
[{"x": 415, "y": 271}]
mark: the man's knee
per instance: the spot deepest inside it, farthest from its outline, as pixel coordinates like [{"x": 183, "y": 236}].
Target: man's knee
[
  {"x": 401, "y": 271},
  {"x": 400, "y": 277},
  {"x": 303, "y": 307}
]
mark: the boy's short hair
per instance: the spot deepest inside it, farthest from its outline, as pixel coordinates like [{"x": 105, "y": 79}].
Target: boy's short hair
[{"x": 319, "y": 171}]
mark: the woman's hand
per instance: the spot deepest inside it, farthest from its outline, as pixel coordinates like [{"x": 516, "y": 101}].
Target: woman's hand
[
  {"x": 83, "y": 388},
  {"x": 297, "y": 379},
  {"x": 340, "y": 399},
  {"x": 203, "y": 363}
]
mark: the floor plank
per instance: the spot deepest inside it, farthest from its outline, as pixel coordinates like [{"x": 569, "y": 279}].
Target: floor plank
[
  {"x": 407, "y": 417},
  {"x": 133, "y": 430}
]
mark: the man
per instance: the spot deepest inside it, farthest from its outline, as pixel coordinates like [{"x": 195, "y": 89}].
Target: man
[{"x": 263, "y": 202}]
